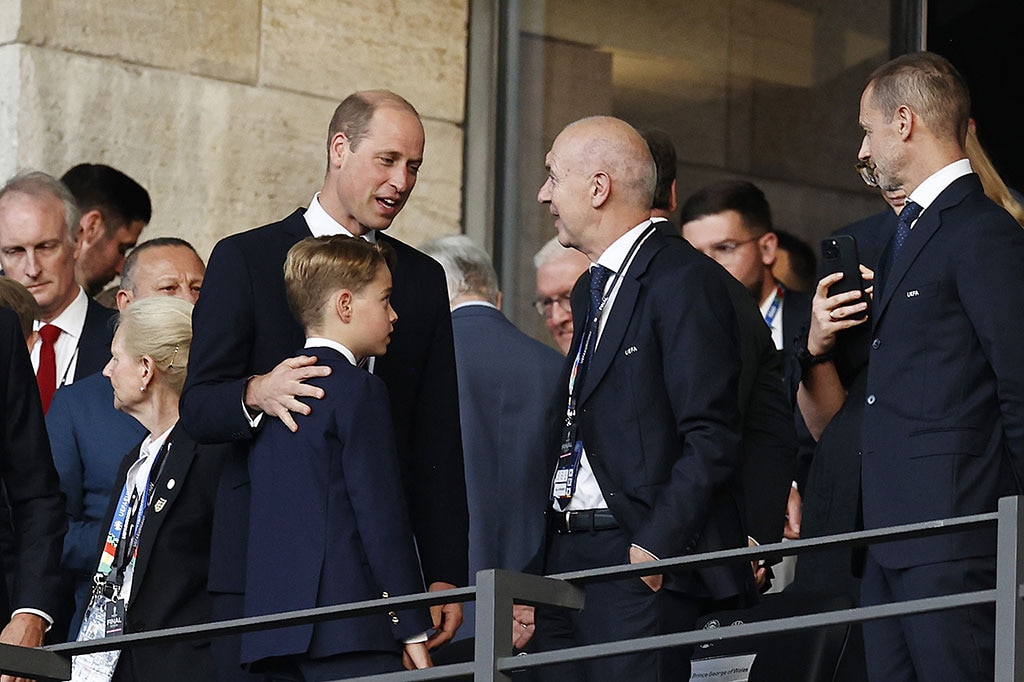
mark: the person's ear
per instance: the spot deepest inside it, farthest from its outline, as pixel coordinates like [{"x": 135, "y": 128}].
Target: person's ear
[
  {"x": 343, "y": 305},
  {"x": 90, "y": 227},
  {"x": 769, "y": 245}
]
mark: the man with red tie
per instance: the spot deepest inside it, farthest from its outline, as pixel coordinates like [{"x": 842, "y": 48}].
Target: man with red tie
[{"x": 38, "y": 247}]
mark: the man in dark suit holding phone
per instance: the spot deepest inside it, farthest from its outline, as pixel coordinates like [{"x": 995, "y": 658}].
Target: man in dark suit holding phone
[{"x": 943, "y": 428}]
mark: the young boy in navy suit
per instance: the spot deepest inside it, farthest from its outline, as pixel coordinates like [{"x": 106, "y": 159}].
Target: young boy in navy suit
[{"x": 328, "y": 522}]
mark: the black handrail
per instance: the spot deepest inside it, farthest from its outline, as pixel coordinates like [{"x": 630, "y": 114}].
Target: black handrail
[{"x": 497, "y": 590}]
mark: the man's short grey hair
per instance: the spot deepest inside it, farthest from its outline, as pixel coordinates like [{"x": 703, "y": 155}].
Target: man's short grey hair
[
  {"x": 40, "y": 185},
  {"x": 552, "y": 250},
  {"x": 467, "y": 267}
]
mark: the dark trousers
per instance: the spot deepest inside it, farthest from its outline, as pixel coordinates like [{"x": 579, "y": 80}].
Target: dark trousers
[
  {"x": 943, "y": 646},
  {"x": 615, "y": 610}
]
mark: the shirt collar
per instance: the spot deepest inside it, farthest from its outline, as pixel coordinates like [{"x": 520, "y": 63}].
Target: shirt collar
[
  {"x": 319, "y": 341},
  {"x": 71, "y": 320},
  {"x": 321, "y": 224},
  {"x": 935, "y": 183},
  {"x": 466, "y": 304},
  {"x": 151, "y": 445},
  {"x": 614, "y": 255}
]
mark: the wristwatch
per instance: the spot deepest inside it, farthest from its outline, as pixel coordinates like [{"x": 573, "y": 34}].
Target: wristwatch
[{"x": 806, "y": 360}]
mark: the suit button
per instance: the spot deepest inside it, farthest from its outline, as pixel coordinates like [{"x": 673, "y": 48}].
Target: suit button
[
  {"x": 394, "y": 617},
  {"x": 384, "y": 595},
  {"x": 871, "y": 399},
  {"x": 875, "y": 344}
]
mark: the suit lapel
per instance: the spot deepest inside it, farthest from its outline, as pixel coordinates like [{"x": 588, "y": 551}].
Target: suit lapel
[
  {"x": 925, "y": 228},
  {"x": 620, "y": 315},
  {"x": 169, "y": 484}
]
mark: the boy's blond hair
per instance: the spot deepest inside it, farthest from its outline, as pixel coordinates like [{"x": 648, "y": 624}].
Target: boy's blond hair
[{"x": 319, "y": 266}]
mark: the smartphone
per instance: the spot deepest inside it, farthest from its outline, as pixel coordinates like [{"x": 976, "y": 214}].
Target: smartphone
[{"x": 839, "y": 254}]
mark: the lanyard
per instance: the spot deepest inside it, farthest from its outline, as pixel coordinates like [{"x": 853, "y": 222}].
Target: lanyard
[
  {"x": 131, "y": 511},
  {"x": 592, "y": 328},
  {"x": 773, "y": 309}
]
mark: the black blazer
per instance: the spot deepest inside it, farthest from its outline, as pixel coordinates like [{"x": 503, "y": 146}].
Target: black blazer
[
  {"x": 943, "y": 428},
  {"x": 243, "y": 326},
  {"x": 94, "y": 345},
  {"x": 659, "y": 412},
  {"x": 169, "y": 579},
  {"x": 30, "y": 479},
  {"x": 769, "y": 436}
]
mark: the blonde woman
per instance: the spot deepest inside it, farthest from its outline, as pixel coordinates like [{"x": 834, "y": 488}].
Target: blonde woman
[{"x": 152, "y": 568}]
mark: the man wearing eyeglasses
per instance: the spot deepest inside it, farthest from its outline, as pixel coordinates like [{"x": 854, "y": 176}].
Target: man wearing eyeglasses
[
  {"x": 558, "y": 268},
  {"x": 731, "y": 222}
]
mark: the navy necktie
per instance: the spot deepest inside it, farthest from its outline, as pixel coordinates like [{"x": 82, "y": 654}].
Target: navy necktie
[
  {"x": 598, "y": 278},
  {"x": 907, "y": 216}
]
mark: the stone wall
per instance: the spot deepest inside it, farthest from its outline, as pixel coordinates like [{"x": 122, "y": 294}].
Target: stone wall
[{"x": 220, "y": 109}]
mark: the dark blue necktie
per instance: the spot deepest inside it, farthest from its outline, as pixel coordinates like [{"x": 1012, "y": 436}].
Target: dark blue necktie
[
  {"x": 598, "y": 278},
  {"x": 907, "y": 216}
]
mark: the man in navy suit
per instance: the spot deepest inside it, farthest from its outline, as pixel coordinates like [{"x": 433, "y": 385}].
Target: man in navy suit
[
  {"x": 38, "y": 247},
  {"x": 506, "y": 380},
  {"x": 88, "y": 436},
  {"x": 943, "y": 426},
  {"x": 644, "y": 439},
  {"x": 243, "y": 370}
]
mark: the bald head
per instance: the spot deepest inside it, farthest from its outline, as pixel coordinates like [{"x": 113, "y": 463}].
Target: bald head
[{"x": 600, "y": 183}]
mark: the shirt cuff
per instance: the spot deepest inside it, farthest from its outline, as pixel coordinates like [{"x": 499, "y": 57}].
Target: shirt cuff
[
  {"x": 254, "y": 421},
  {"x": 642, "y": 549},
  {"x": 416, "y": 639},
  {"x": 36, "y": 612}
]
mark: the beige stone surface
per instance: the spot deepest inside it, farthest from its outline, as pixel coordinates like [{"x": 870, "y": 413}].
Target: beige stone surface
[
  {"x": 220, "y": 39},
  {"x": 216, "y": 157},
  {"x": 10, "y": 89},
  {"x": 10, "y": 18},
  {"x": 333, "y": 47}
]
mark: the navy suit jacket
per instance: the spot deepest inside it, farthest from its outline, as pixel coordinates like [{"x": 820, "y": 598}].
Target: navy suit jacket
[
  {"x": 28, "y": 474},
  {"x": 769, "y": 435},
  {"x": 328, "y": 522},
  {"x": 243, "y": 326},
  {"x": 659, "y": 413},
  {"x": 943, "y": 428},
  {"x": 169, "y": 579},
  {"x": 88, "y": 438},
  {"x": 94, "y": 345},
  {"x": 506, "y": 382}
]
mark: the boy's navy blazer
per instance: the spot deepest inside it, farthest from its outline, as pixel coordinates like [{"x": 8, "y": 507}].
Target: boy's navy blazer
[
  {"x": 329, "y": 523},
  {"x": 943, "y": 428},
  {"x": 243, "y": 326}
]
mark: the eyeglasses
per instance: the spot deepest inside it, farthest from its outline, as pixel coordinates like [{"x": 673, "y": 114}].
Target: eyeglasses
[
  {"x": 727, "y": 249},
  {"x": 545, "y": 306},
  {"x": 867, "y": 173}
]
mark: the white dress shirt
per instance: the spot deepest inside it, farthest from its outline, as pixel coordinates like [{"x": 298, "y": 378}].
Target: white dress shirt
[{"x": 71, "y": 321}]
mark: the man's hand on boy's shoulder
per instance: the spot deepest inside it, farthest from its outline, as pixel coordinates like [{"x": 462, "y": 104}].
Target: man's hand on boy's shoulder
[{"x": 277, "y": 393}]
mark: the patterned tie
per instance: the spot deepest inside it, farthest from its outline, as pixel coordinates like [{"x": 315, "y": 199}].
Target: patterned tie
[
  {"x": 907, "y": 216},
  {"x": 598, "y": 278},
  {"x": 46, "y": 376}
]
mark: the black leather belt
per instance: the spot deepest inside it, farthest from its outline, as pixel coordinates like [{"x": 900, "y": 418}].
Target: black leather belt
[{"x": 585, "y": 521}]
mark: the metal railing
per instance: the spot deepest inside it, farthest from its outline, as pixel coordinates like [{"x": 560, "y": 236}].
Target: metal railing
[{"x": 497, "y": 590}]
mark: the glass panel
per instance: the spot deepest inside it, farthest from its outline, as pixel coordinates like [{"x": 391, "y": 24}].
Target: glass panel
[{"x": 763, "y": 90}]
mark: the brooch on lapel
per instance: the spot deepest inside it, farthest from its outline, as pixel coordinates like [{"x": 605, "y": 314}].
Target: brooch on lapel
[
  {"x": 630, "y": 350},
  {"x": 160, "y": 504}
]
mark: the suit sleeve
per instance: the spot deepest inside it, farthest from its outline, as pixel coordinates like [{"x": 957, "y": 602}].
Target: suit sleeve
[
  {"x": 373, "y": 483},
  {"x": 437, "y": 497},
  {"x": 222, "y": 346},
  {"x": 701, "y": 363},
  {"x": 80, "y": 542},
  {"x": 37, "y": 505},
  {"x": 990, "y": 281}
]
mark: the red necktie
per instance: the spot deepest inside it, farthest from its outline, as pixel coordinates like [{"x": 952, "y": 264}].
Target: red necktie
[{"x": 46, "y": 376}]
